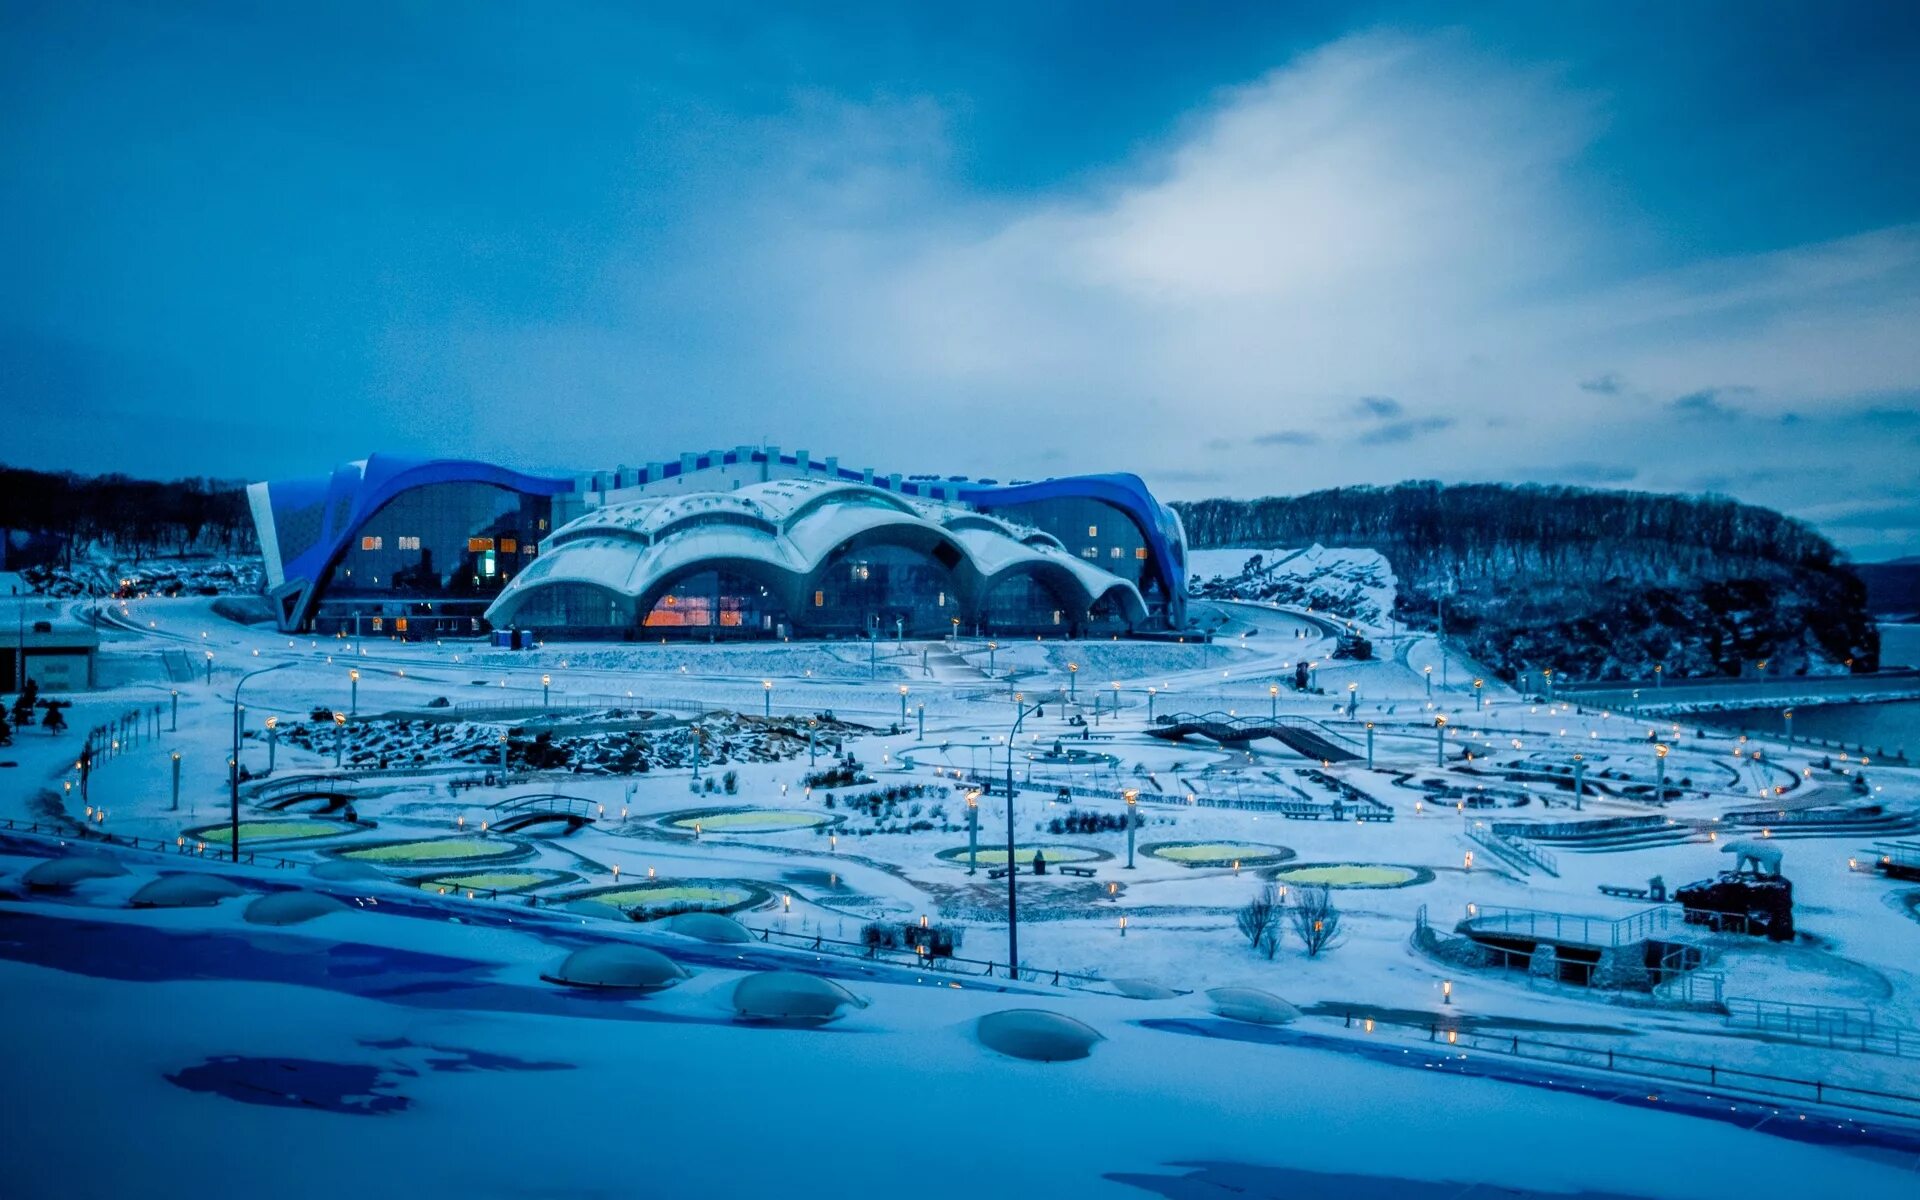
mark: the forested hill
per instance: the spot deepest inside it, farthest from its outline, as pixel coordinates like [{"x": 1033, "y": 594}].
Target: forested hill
[
  {"x": 1597, "y": 584},
  {"x": 134, "y": 517}
]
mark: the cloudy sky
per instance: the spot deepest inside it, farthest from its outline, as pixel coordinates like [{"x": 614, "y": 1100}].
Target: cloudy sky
[{"x": 1240, "y": 249}]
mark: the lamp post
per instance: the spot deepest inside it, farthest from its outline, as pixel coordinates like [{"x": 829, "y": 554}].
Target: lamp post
[
  {"x": 903, "y": 704},
  {"x": 1479, "y": 696},
  {"x": 1353, "y": 700},
  {"x": 339, "y": 737},
  {"x": 353, "y": 697},
  {"x": 813, "y": 744},
  {"x": 1429, "y": 673},
  {"x": 1439, "y": 741},
  {"x": 920, "y": 714},
  {"x": 1786, "y": 718},
  {"x": 1659, "y": 675},
  {"x": 1660, "y": 774},
  {"x": 1273, "y": 703},
  {"x": 273, "y": 742},
  {"x": 1037, "y": 708},
  {"x": 1369, "y": 745},
  {"x": 1133, "y": 819},
  {"x": 173, "y": 723},
  {"x": 1151, "y": 692},
  {"x": 973, "y": 831},
  {"x": 233, "y": 772},
  {"x": 766, "y": 696},
  {"x": 176, "y": 781},
  {"x": 991, "y": 647},
  {"x": 209, "y": 668},
  {"x": 1547, "y": 675},
  {"x": 1116, "y": 698},
  {"x": 1579, "y": 781},
  {"x": 546, "y": 691},
  {"x": 1073, "y": 673}
]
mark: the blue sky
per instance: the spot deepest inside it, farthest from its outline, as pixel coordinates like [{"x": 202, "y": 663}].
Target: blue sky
[{"x": 1241, "y": 249}]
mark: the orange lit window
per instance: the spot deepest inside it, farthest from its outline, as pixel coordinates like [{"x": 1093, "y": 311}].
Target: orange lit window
[
  {"x": 819, "y": 599},
  {"x": 369, "y": 543},
  {"x": 479, "y": 545},
  {"x": 508, "y": 545},
  {"x": 378, "y": 624},
  {"x": 1139, "y": 551},
  {"x": 1093, "y": 531},
  {"x": 399, "y": 624}
]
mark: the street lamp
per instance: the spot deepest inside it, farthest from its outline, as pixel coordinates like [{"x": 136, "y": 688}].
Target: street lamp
[
  {"x": 546, "y": 691},
  {"x": 1660, "y": 774},
  {"x": 273, "y": 742},
  {"x": 353, "y": 704},
  {"x": 209, "y": 668},
  {"x": 1073, "y": 673},
  {"x": 1151, "y": 692},
  {"x": 1353, "y": 699},
  {"x": 233, "y": 773},
  {"x": 991, "y": 647},
  {"x": 766, "y": 694},
  {"x": 1273, "y": 703},
  {"x": 1429, "y": 674},
  {"x": 903, "y": 704},
  {"x": 1439, "y": 741},
  {"x": 1479, "y": 700},
  {"x": 1037, "y": 708},
  {"x": 1133, "y": 819}
]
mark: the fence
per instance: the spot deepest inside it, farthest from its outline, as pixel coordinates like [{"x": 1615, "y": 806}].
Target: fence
[
  {"x": 1769, "y": 1087},
  {"x": 984, "y": 968},
  {"x": 179, "y": 846},
  {"x": 1825, "y": 1025},
  {"x": 1569, "y": 927},
  {"x": 1514, "y": 850}
]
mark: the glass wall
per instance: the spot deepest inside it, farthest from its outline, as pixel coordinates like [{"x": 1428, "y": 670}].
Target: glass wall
[
  {"x": 887, "y": 588},
  {"x": 444, "y": 540},
  {"x": 717, "y": 602},
  {"x": 1023, "y": 604},
  {"x": 573, "y": 606},
  {"x": 1097, "y": 532}
]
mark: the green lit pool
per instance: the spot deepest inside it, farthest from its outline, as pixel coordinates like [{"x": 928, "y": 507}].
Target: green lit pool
[
  {"x": 489, "y": 881},
  {"x": 1353, "y": 875},
  {"x": 287, "y": 830},
  {"x": 1218, "y": 854},
  {"x": 1056, "y": 852},
  {"x": 446, "y": 849},
  {"x": 757, "y": 820},
  {"x": 717, "y": 895}
]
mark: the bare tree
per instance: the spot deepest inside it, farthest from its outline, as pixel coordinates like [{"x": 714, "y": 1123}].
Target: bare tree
[
  {"x": 1316, "y": 918},
  {"x": 1259, "y": 921}
]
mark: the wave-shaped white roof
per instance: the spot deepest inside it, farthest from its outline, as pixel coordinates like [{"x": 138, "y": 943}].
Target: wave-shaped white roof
[{"x": 786, "y": 529}]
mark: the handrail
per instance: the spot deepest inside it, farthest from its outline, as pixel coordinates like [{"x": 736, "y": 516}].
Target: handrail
[{"x": 1904, "y": 1105}]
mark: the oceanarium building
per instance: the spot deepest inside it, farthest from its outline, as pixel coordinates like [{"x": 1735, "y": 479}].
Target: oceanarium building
[{"x": 742, "y": 543}]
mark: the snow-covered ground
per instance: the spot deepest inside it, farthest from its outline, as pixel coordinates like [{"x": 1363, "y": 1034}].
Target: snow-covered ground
[{"x": 95, "y": 1035}]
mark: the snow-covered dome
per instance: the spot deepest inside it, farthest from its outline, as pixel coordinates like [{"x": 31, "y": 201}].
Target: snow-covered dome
[
  {"x": 290, "y": 908},
  {"x": 1034, "y": 1033},
  {"x": 791, "y": 996},
  {"x": 186, "y": 891},
  {"x": 707, "y": 927},
  {"x": 59, "y": 873},
  {"x": 619, "y": 966},
  {"x": 1252, "y": 1005}
]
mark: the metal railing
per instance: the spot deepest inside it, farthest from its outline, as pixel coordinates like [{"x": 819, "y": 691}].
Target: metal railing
[
  {"x": 956, "y": 964},
  {"x": 1835, "y": 1026},
  {"x": 1773, "y": 1088},
  {"x": 1514, "y": 850},
  {"x": 1570, "y": 927},
  {"x": 180, "y": 846}
]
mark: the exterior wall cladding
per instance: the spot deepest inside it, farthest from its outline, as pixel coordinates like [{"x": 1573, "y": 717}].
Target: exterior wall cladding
[{"x": 742, "y": 543}]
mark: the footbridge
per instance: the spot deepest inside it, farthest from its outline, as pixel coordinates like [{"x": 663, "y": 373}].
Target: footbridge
[
  {"x": 523, "y": 812},
  {"x": 1309, "y": 738}
]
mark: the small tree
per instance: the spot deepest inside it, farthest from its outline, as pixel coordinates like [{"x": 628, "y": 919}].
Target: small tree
[
  {"x": 6, "y": 730},
  {"x": 1316, "y": 918},
  {"x": 731, "y": 782},
  {"x": 54, "y": 722},
  {"x": 1259, "y": 921}
]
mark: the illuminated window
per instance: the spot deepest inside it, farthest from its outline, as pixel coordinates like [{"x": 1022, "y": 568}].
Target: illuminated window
[
  {"x": 369, "y": 543},
  {"x": 479, "y": 545},
  {"x": 406, "y": 542},
  {"x": 1116, "y": 552},
  {"x": 819, "y": 599},
  {"x": 399, "y": 624},
  {"x": 543, "y": 523},
  {"x": 943, "y": 599},
  {"x": 1139, "y": 551},
  {"x": 487, "y": 567},
  {"x": 1056, "y": 616},
  {"x": 860, "y": 572},
  {"x": 508, "y": 545},
  {"x": 1093, "y": 531},
  {"x": 378, "y": 624},
  {"x": 1090, "y": 552}
]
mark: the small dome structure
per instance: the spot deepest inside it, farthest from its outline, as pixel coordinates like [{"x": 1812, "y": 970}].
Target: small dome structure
[
  {"x": 345, "y": 870},
  {"x": 290, "y": 908},
  {"x": 791, "y": 996},
  {"x": 186, "y": 891},
  {"x": 1141, "y": 989},
  {"x": 616, "y": 966},
  {"x": 1037, "y": 1035},
  {"x": 707, "y": 927},
  {"x": 58, "y": 874},
  {"x": 1252, "y": 1005}
]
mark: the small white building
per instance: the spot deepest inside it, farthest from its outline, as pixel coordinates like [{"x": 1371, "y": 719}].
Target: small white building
[{"x": 58, "y": 650}]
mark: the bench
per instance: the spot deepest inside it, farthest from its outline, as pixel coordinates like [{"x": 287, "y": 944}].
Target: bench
[
  {"x": 1625, "y": 893},
  {"x": 996, "y": 872},
  {"x": 1082, "y": 872}
]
